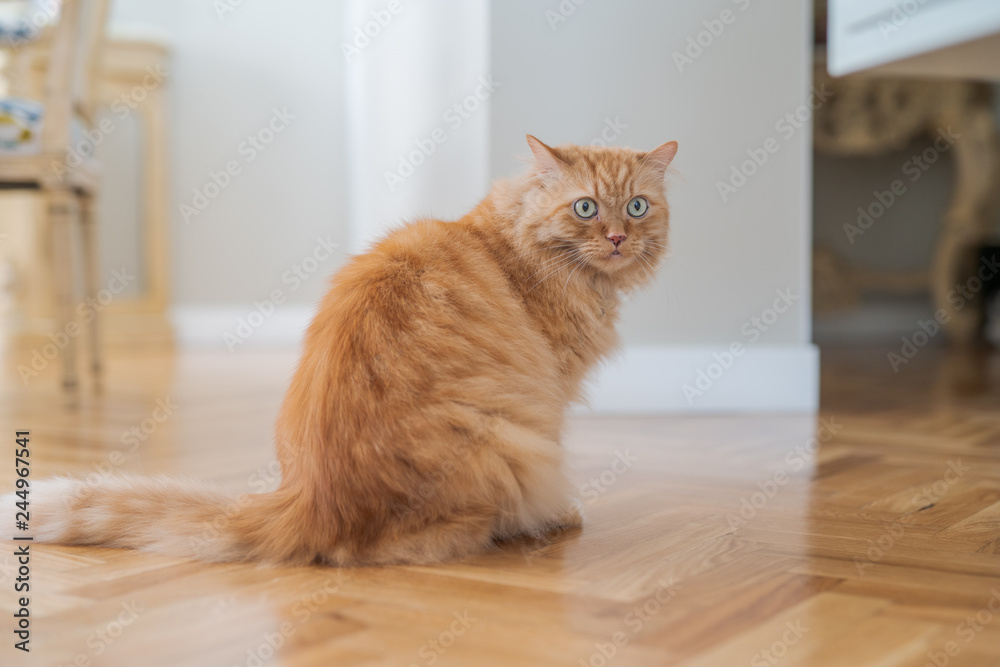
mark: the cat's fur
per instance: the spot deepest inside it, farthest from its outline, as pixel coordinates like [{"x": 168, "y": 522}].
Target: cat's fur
[{"x": 424, "y": 420}]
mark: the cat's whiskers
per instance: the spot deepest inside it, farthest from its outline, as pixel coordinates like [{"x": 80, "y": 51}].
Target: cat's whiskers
[
  {"x": 652, "y": 257},
  {"x": 569, "y": 261},
  {"x": 548, "y": 263},
  {"x": 647, "y": 262},
  {"x": 566, "y": 260},
  {"x": 551, "y": 247},
  {"x": 580, "y": 263},
  {"x": 640, "y": 262},
  {"x": 561, "y": 253}
]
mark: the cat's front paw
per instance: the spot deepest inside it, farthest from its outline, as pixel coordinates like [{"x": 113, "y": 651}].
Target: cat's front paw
[{"x": 571, "y": 518}]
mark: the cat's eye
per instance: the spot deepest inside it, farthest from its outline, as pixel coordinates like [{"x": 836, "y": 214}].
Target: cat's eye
[
  {"x": 586, "y": 208},
  {"x": 638, "y": 207}
]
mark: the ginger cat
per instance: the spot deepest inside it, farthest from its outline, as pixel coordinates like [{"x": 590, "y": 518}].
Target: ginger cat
[{"x": 424, "y": 420}]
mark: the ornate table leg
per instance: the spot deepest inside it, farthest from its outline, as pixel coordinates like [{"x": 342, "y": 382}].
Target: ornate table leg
[{"x": 968, "y": 218}]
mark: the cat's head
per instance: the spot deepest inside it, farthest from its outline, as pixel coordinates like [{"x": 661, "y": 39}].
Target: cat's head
[{"x": 599, "y": 210}]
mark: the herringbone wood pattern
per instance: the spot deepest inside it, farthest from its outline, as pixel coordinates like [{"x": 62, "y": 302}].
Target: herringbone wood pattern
[{"x": 869, "y": 537}]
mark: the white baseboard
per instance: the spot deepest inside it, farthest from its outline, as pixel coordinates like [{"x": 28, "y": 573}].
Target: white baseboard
[
  {"x": 641, "y": 380},
  {"x": 220, "y": 326},
  {"x": 686, "y": 380}
]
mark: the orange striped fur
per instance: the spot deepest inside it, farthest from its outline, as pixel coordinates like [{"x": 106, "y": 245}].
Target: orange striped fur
[{"x": 424, "y": 419}]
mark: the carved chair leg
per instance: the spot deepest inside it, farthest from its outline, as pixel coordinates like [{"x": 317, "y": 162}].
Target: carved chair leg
[
  {"x": 91, "y": 266},
  {"x": 62, "y": 212}
]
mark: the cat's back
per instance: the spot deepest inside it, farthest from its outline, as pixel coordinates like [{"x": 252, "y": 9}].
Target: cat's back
[
  {"x": 429, "y": 311},
  {"x": 427, "y": 264},
  {"x": 429, "y": 245}
]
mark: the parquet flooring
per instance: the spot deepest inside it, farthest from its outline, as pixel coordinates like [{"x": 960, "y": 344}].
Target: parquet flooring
[{"x": 868, "y": 536}]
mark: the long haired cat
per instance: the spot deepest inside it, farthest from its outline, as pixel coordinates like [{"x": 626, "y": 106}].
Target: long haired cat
[{"x": 424, "y": 420}]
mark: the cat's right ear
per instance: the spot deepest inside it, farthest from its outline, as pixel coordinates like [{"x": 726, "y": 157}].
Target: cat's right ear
[
  {"x": 546, "y": 161},
  {"x": 660, "y": 157}
]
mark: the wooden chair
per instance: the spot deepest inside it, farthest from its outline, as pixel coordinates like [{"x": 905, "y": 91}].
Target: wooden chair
[{"x": 72, "y": 51}]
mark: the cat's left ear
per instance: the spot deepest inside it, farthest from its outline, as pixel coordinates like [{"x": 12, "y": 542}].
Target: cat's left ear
[
  {"x": 660, "y": 157},
  {"x": 546, "y": 160}
]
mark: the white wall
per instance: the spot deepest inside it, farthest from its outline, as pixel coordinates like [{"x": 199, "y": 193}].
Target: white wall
[
  {"x": 564, "y": 80},
  {"x": 606, "y": 61},
  {"x": 229, "y": 73},
  {"x": 411, "y": 152},
  {"x": 568, "y": 66}
]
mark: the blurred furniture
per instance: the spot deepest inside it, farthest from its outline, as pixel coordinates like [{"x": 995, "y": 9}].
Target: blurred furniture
[
  {"x": 133, "y": 77},
  {"x": 924, "y": 38},
  {"x": 991, "y": 296},
  {"x": 69, "y": 187},
  {"x": 868, "y": 115},
  {"x": 130, "y": 110},
  {"x": 941, "y": 48}
]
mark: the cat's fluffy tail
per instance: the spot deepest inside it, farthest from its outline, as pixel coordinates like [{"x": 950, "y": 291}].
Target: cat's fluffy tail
[{"x": 165, "y": 515}]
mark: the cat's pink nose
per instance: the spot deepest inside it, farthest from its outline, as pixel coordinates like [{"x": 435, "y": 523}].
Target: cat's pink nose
[{"x": 616, "y": 239}]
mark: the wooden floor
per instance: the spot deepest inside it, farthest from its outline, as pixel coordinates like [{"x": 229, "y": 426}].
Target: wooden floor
[{"x": 707, "y": 541}]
